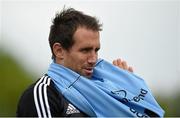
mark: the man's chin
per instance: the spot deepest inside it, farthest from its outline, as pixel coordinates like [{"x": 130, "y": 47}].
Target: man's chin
[{"x": 88, "y": 73}]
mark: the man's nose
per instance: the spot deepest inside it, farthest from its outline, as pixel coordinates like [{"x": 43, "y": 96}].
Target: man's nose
[{"x": 93, "y": 58}]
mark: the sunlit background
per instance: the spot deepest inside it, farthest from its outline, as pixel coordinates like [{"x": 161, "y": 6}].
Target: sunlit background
[{"x": 145, "y": 33}]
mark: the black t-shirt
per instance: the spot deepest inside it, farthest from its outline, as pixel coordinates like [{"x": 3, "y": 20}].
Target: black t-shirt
[{"x": 42, "y": 99}]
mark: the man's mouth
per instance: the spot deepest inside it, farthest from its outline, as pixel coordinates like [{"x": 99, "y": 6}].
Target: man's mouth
[{"x": 88, "y": 71}]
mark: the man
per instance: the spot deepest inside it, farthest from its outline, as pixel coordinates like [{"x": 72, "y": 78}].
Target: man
[{"x": 75, "y": 41}]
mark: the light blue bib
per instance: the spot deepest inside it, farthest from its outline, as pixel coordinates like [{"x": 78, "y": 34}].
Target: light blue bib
[{"x": 111, "y": 92}]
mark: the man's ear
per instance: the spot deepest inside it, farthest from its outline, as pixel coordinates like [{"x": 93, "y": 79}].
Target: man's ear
[{"x": 58, "y": 50}]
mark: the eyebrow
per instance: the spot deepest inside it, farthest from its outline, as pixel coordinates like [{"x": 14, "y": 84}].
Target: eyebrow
[
  {"x": 89, "y": 48},
  {"x": 86, "y": 48}
]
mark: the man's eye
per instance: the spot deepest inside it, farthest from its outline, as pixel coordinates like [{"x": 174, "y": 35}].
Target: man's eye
[
  {"x": 85, "y": 50},
  {"x": 96, "y": 50}
]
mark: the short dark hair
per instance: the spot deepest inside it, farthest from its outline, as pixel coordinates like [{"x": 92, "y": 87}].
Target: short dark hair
[{"x": 66, "y": 23}]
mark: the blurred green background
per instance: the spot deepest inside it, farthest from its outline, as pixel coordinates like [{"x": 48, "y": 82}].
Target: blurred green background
[{"x": 14, "y": 80}]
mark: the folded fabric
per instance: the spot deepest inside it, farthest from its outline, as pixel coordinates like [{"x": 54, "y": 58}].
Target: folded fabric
[{"x": 111, "y": 92}]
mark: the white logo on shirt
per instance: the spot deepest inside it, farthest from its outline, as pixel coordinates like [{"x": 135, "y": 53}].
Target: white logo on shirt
[{"x": 71, "y": 109}]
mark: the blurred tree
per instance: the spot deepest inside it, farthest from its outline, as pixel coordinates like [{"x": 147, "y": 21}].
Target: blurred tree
[
  {"x": 14, "y": 79},
  {"x": 176, "y": 104},
  {"x": 170, "y": 104}
]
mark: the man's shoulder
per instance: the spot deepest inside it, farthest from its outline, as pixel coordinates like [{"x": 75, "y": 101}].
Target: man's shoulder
[
  {"x": 43, "y": 84},
  {"x": 42, "y": 95},
  {"x": 36, "y": 96}
]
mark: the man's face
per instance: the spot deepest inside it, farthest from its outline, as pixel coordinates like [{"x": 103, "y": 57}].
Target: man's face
[{"x": 82, "y": 56}]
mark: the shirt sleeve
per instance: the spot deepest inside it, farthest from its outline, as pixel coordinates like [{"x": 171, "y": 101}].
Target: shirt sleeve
[
  {"x": 26, "y": 106},
  {"x": 40, "y": 101}
]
